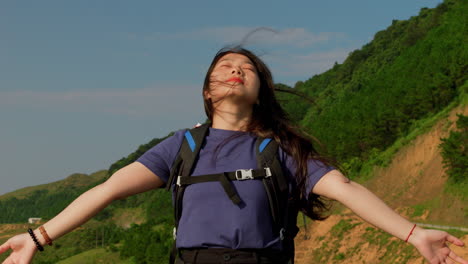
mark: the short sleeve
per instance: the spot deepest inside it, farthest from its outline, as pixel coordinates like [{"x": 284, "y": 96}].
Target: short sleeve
[
  {"x": 315, "y": 169},
  {"x": 159, "y": 159}
]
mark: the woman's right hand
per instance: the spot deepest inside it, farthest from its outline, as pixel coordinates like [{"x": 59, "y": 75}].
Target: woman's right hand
[{"x": 23, "y": 249}]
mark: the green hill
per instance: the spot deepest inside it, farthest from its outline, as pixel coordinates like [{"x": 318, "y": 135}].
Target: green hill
[
  {"x": 411, "y": 70},
  {"x": 45, "y": 200}
]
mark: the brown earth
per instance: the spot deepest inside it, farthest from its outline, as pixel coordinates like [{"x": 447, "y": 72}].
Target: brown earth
[
  {"x": 414, "y": 177},
  {"x": 128, "y": 216},
  {"x": 360, "y": 245},
  {"x": 7, "y": 230}
]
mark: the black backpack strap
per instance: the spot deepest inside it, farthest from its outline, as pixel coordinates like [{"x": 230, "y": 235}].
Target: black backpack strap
[
  {"x": 267, "y": 150},
  {"x": 191, "y": 147},
  {"x": 225, "y": 180},
  {"x": 183, "y": 166},
  {"x": 188, "y": 153},
  {"x": 283, "y": 205},
  {"x": 174, "y": 171},
  {"x": 238, "y": 175}
]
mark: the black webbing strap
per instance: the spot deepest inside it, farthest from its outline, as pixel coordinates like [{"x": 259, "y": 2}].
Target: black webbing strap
[
  {"x": 174, "y": 172},
  {"x": 267, "y": 151},
  {"x": 229, "y": 189},
  {"x": 233, "y": 176},
  {"x": 173, "y": 255},
  {"x": 283, "y": 207},
  {"x": 188, "y": 154},
  {"x": 225, "y": 180},
  {"x": 267, "y": 157},
  {"x": 183, "y": 165},
  {"x": 191, "y": 146}
]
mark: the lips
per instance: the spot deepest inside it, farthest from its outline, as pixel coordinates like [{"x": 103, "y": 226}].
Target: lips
[{"x": 235, "y": 79}]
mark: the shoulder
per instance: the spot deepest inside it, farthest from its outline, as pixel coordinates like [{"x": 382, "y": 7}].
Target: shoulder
[
  {"x": 171, "y": 143},
  {"x": 312, "y": 164},
  {"x": 166, "y": 150},
  {"x": 315, "y": 168},
  {"x": 159, "y": 158}
]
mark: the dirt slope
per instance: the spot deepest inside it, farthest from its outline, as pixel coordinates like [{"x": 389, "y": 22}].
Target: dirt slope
[
  {"x": 361, "y": 244},
  {"x": 415, "y": 177}
]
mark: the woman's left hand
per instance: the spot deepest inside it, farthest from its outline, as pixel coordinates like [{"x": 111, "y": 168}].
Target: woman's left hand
[{"x": 432, "y": 244}]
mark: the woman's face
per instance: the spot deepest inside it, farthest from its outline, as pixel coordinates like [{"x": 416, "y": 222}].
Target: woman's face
[{"x": 234, "y": 77}]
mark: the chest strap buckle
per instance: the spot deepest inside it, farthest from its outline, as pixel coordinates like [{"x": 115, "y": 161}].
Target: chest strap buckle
[{"x": 244, "y": 175}]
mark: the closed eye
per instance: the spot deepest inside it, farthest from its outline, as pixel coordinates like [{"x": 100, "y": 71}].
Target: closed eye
[{"x": 249, "y": 68}]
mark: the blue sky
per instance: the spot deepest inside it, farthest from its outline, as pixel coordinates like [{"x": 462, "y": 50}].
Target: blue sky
[{"x": 84, "y": 83}]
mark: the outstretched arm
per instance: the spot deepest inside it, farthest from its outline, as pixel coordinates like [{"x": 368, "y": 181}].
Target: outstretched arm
[
  {"x": 132, "y": 179},
  {"x": 430, "y": 243}
]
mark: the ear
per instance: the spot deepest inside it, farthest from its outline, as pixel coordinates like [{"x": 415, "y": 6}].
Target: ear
[{"x": 206, "y": 95}]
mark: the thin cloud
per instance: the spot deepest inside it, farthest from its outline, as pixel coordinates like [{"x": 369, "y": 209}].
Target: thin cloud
[
  {"x": 305, "y": 65},
  {"x": 298, "y": 37},
  {"x": 144, "y": 101}
]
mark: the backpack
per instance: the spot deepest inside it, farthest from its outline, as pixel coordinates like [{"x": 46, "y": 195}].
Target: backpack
[{"x": 283, "y": 205}]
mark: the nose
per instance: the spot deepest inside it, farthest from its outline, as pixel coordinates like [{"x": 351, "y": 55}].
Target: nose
[{"x": 236, "y": 71}]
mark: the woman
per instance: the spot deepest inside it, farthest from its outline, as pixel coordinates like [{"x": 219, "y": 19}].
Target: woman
[{"x": 240, "y": 103}]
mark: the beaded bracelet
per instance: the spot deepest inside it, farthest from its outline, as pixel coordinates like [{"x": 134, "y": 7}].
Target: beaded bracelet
[{"x": 33, "y": 236}]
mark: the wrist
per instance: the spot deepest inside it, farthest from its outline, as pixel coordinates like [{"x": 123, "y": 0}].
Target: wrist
[
  {"x": 39, "y": 237},
  {"x": 416, "y": 236},
  {"x": 30, "y": 243}
]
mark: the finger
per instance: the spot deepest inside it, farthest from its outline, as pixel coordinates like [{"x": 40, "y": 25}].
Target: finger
[
  {"x": 454, "y": 256},
  {"x": 4, "y": 247},
  {"x": 449, "y": 261},
  {"x": 454, "y": 240},
  {"x": 8, "y": 261}
]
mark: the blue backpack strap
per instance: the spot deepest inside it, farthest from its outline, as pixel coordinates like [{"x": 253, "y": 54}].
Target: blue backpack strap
[
  {"x": 263, "y": 144},
  {"x": 190, "y": 140}
]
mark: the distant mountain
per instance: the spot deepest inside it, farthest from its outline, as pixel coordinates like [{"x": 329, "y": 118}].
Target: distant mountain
[{"x": 45, "y": 200}]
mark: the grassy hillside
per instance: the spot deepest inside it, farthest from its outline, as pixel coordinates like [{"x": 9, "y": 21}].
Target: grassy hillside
[
  {"x": 344, "y": 238},
  {"x": 414, "y": 183},
  {"x": 76, "y": 180},
  {"x": 411, "y": 70},
  {"x": 99, "y": 255},
  {"x": 45, "y": 200}
]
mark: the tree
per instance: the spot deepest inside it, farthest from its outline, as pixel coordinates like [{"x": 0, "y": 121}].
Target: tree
[{"x": 454, "y": 151}]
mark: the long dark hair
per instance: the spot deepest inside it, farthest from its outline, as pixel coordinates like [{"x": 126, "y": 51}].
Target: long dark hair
[{"x": 270, "y": 120}]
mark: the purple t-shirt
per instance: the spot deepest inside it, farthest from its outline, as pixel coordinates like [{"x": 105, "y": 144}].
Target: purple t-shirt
[{"x": 209, "y": 218}]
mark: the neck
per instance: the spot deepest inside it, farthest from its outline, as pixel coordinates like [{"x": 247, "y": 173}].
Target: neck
[{"x": 231, "y": 117}]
